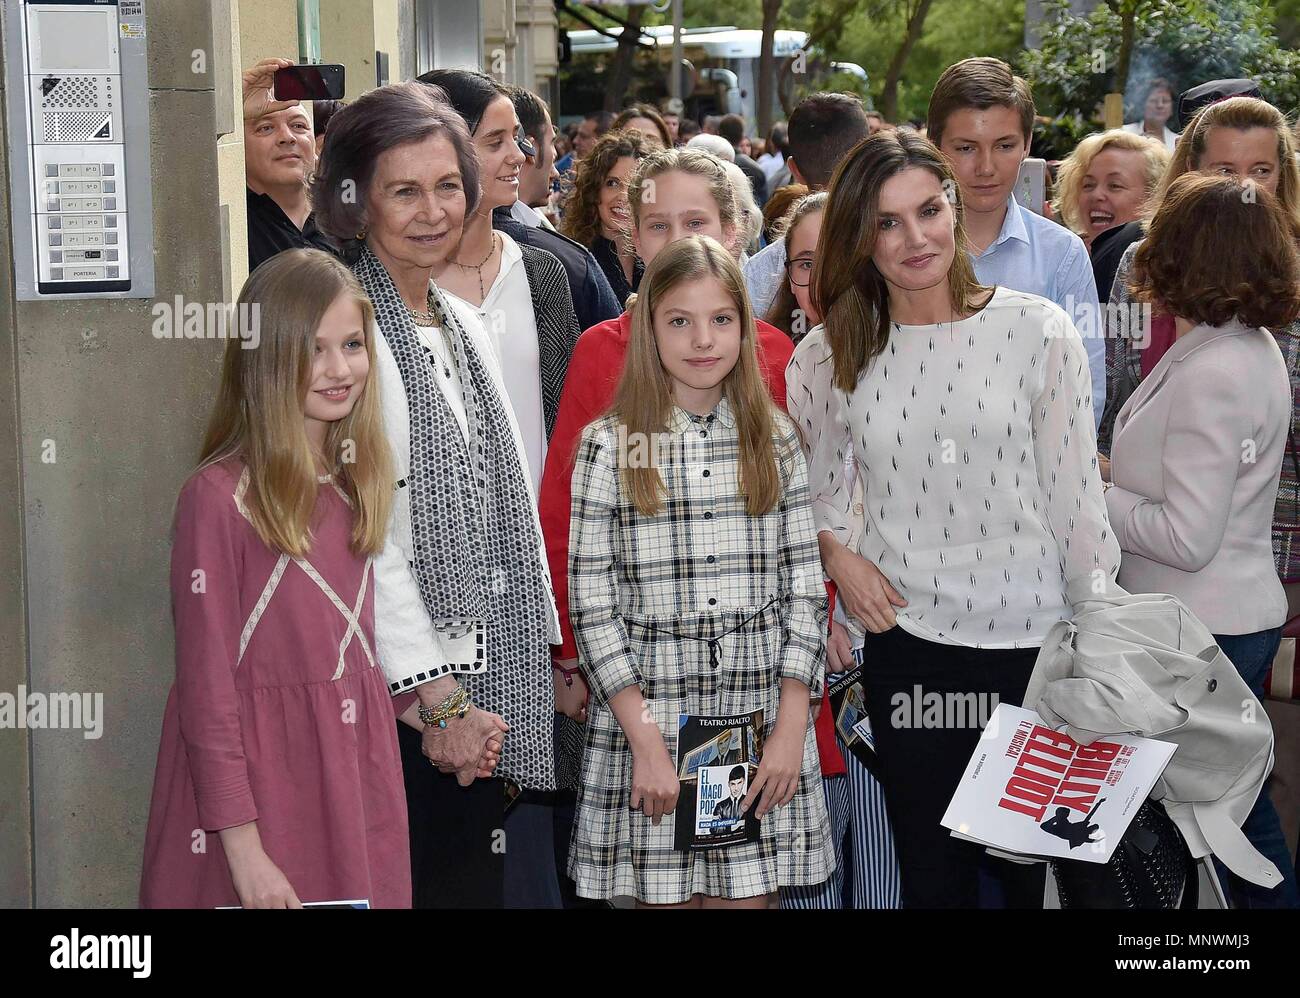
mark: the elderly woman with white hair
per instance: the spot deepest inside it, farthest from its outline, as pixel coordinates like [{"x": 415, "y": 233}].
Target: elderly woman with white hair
[
  {"x": 714, "y": 144},
  {"x": 749, "y": 217}
]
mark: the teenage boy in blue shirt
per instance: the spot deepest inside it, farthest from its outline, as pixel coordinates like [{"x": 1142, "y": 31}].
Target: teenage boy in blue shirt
[{"x": 981, "y": 117}]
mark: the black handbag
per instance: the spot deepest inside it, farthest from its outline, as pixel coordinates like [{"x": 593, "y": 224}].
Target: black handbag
[{"x": 1150, "y": 868}]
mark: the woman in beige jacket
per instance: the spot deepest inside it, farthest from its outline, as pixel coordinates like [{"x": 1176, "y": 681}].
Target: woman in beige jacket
[{"x": 1198, "y": 447}]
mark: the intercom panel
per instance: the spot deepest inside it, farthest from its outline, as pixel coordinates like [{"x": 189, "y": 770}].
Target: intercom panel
[{"x": 81, "y": 171}]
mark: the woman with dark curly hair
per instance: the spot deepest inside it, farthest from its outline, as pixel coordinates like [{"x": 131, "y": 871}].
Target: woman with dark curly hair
[
  {"x": 1198, "y": 446},
  {"x": 597, "y": 213}
]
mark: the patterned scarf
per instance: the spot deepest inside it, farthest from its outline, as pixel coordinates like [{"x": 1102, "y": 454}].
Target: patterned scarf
[{"x": 477, "y": 550}]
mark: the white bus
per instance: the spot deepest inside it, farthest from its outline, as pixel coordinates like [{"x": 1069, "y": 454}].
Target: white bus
[{"x": 721, "y": 75}]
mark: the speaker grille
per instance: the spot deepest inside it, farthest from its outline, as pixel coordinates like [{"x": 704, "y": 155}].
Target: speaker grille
[
  {"x": 77, "y": 126},
  {"x": 71, "y": 92}
]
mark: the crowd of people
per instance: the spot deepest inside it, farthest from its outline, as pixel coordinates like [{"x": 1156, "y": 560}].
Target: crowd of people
[{"x": 552, "y": 441}]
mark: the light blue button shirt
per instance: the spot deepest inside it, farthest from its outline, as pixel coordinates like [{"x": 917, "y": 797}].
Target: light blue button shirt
[{"x": 1035, "y": 254}]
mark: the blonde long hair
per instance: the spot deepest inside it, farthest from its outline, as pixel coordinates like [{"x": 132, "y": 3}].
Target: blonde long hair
[
  {"x": 258, "y": 414},
  {"x": 643, "y": 403}
]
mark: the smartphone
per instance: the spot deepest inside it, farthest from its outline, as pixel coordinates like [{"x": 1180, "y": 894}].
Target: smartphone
[
  {"x": 309, "y": 83},
  {"x": 1031, "y": 185}
]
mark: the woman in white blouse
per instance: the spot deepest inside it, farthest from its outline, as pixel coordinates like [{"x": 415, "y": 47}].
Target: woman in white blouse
[
  {"x": 519, "y": 293},
  {"x": 967, "y": 411}
]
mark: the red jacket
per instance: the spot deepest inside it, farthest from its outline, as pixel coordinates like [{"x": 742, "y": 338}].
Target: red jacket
[{"x": 828, "y": 747}]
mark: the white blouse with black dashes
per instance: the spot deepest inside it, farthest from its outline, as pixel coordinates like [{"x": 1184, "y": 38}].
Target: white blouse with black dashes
[{"x": 975, "y": 445}]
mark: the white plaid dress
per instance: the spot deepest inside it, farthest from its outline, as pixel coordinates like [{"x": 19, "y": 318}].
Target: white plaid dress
[{"x": 702, "y": 568}]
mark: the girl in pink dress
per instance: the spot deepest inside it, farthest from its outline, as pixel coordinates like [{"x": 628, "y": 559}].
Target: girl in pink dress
[{"x": 279, "y": 781}]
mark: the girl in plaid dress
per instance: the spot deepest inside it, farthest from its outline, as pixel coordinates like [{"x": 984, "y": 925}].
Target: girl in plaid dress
[{"x": 695, "y": 588}]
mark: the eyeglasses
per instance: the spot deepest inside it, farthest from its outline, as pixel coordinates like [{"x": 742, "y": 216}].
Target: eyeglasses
[{"x": 800, "y": 271}]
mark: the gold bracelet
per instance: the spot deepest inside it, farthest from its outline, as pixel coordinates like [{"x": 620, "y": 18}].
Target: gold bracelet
[
  {"x": 456, "y": 704},
  {"x": 450, "y": 706}
]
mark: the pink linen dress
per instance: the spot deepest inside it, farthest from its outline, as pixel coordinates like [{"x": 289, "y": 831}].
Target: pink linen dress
[{"x": 279, "y": 712}]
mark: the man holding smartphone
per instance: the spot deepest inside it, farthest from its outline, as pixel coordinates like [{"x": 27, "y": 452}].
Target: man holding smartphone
[{"x": 279, "y": 156}]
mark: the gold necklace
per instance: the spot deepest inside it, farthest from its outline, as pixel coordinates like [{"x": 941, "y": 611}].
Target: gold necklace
[
  {"x": 429, "y": 320},
  {"x": 424, "y": 318},
  {"x": 478, "y": 268}
]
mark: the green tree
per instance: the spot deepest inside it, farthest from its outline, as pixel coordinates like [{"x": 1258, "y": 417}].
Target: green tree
[
  {"x": 903, "y": 66},
  {"x": 1077, "y": 63},
  {"x": 828, "y": 22},
  {"x": 914, "y": 13},
  {"x": 954, "y": 30},
  {"x": 630, "y": 68},
  {"x": 715, "y": 13},
  {"x": 1287, "y": 21}
]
